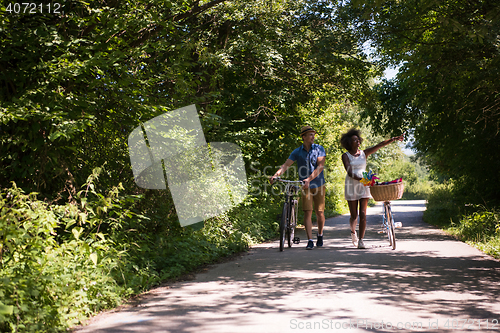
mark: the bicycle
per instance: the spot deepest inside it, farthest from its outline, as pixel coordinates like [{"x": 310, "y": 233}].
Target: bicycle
[
  {"x": 388, "y": 224},
  {"x": 289, "y": 214},
  {"x": 386, "y": 193}
]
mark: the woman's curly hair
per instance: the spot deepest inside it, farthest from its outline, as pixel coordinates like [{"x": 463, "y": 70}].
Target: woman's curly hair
[{"x": 346, "y": 141}]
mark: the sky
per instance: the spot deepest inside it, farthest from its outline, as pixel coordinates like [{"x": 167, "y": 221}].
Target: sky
[{"x": 390, "y": 73}]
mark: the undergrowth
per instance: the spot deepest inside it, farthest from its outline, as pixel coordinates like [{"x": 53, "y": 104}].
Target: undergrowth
[
  {"x": 475, "y": 224},
  {"x": 60, "y": 264}
]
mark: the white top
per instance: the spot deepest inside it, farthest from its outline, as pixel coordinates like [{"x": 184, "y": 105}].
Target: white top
[{"x": 354, "y": 189}]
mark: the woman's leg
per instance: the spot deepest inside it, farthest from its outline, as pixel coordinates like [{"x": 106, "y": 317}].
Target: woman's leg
[
  {"x": 353, "y": 209},
  {"x": 363, "y": 204}
]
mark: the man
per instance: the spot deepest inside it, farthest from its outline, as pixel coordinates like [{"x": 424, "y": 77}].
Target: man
[{"x": 310, "y": 159}]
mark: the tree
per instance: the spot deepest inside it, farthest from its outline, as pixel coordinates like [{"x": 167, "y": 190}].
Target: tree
[
  {"x": 75, "y": 84},
  {"x": 72, "y": 86},
  {"x": 447, "y": 90}
]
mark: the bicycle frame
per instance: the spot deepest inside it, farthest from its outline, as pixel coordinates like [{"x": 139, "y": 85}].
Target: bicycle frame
[{"x": 289, "y": 214}]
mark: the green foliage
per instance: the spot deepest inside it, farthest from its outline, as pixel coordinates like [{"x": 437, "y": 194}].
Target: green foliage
[
  {"x": 475, "y": 224},
  {"x": 63, "y": 263},
  {"x": 74, "y": 86},
  {"x": 479, "y": 226},
  {"x": 420, "y": 190},
  {"x": 443, "y": 207},
  {"x": 446, "y": 91},
  {"x": 415, "y": 176},
  {"x": 108, "y": 66},
  {"x": 48, "y": 283},
  {"x": 401, "y": 168}
]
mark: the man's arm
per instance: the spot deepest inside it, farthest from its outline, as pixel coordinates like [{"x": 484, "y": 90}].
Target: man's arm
[
  {"x": 316, "y": 172},
  {"x": 281, "y": 170}
]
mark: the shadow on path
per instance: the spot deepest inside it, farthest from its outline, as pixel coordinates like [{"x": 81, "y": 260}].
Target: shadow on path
[{"x": 430, "y": 277}]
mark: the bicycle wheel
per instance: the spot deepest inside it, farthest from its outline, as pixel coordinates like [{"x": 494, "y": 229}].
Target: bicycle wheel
[
  {"x": 390, "y": 225},
  {"x": 290, "y": 231},
  {"x": 283, "y": 223},
  {"x": 393, "y": 229}
]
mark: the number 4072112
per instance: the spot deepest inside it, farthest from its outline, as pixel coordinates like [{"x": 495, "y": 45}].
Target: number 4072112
[{"x": 33, "y": 8}]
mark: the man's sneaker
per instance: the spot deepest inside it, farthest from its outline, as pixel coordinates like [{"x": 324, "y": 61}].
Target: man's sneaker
[
  {"x": 354, "y": 238},
  {"x": 361, "y": 245},
  {"x": 310, "y": 245},
  {"x": 319, "y": 242}
]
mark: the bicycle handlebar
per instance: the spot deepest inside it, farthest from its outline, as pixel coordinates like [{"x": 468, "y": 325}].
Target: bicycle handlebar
[{"x": 289, "y": 181}]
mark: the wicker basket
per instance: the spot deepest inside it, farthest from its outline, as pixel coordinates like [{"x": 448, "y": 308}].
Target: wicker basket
[{"x": 387, "y": 192}]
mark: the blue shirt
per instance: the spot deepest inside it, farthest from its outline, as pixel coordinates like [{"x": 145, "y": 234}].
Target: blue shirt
[{"x": 307, "y": 162}]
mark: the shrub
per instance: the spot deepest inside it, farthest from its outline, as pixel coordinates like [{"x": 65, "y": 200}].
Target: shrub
[
  {"x": 418, "y": 191},
  {"x": 479, "y": 226},
  {"x": 442, "y": 206},
  {"x": 49, "y": 283}
]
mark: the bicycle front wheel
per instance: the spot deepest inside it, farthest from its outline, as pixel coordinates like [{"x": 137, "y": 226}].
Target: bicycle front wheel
[
  {"x": 390, "y": 225},
  {"x": 290, "y": 231},
  {"x": 283, "y": 225}
]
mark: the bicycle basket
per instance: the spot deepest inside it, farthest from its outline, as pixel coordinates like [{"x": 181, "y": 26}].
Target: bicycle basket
[{"x": 387, "y": 192}]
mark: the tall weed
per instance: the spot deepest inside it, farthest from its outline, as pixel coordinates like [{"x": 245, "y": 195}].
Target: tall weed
[{"x": 480, "y": 229}]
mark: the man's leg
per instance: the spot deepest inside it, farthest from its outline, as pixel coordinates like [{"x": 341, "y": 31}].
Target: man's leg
[
  {"x": 308, "y": 223},
  {"x": 319, "y": 206},
  {"x": 320, "y": 216},
  {"x": 307, "y": 207}
]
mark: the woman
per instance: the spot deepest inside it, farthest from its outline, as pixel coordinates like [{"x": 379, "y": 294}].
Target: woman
[{"x": 355, "y": 192}]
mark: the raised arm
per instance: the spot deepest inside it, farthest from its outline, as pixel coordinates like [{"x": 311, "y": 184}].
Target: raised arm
[{"x": 371, "y": 150}]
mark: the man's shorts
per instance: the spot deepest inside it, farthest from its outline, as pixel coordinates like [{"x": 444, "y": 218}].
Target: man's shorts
[{"x": 316, "y": 195}]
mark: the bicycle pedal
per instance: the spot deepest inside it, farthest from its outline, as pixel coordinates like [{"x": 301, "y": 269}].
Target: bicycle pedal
[{"x": 296, "y": 240}]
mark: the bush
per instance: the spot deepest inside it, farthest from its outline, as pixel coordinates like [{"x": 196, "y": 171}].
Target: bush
[
  {"x": 478, "y": 226},
  {"x": 442, "y": 206},
  {"x": 59, "y": 264},
  {"x": 400, "y": 168},
  {"x": 50, "y": 281},
  {"x": 420, "y": 190},
  {"x": 480, "y": 229}
]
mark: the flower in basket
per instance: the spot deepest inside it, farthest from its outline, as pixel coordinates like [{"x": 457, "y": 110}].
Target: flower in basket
[
  {"x": 395, "y": 181},
  {"x": 368, "y": 178}
]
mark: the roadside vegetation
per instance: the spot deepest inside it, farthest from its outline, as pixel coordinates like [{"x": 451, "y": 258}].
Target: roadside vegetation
[
  {"x": 77, "y": 235},
  {"x": 476, "y": 224}
]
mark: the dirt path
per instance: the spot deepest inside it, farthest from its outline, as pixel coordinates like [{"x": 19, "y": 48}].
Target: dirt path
[{"x": 430, "y": 283}]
